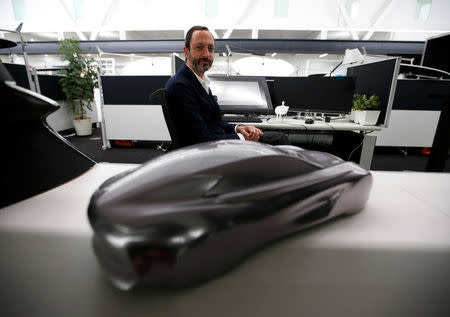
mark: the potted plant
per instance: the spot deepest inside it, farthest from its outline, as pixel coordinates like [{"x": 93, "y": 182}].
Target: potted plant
[
  {"x": 366, "y": 109},
  {"x": 79, "y": 78}
]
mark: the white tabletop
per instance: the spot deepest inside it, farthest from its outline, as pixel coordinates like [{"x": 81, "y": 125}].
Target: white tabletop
[
  {"x": 288, "y": 123},
  {"x": 390, "y": 259}
]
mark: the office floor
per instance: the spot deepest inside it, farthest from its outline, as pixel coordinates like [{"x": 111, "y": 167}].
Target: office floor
[{"x": 385, "y": 158}]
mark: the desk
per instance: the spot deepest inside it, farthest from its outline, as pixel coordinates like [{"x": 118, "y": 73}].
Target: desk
[
  {"x": 391, "y": 259},
  {"x": 299, "y": 125}
]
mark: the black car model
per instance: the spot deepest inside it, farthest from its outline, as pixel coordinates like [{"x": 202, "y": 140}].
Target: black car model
[{"x": 193, "y": 213}]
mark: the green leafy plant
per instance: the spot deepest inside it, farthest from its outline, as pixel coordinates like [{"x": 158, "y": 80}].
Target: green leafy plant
[
  {"x": 361, "y": 102},
  {"x": 79, "y": 78}
]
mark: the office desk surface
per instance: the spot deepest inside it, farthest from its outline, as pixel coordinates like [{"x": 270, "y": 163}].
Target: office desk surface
[
  {"x": 392, "y": 259},
  {"x": 272, "y": 122}
]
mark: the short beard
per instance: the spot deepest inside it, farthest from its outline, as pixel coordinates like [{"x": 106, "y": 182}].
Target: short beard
[{"x": 196, "y": 63}]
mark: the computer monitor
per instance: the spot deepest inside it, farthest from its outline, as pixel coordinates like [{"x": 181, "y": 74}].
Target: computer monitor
[
  {"x": 328, "y": 95},
  {"x": 241, "y": 94},
  {"x": 436, "y": 52},
  {"x": 19, "y": 73},
  {"x": 378, "y": 78},
  {"x": 177, "y": 63}
]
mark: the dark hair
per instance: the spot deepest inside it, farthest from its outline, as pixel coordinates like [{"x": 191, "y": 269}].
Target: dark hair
[{"x": 187, "y": 42}]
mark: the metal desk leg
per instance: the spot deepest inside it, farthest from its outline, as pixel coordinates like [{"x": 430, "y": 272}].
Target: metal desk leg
[
  {"x": 367, "y": 150},
  {"x": 441, "y": 142}
]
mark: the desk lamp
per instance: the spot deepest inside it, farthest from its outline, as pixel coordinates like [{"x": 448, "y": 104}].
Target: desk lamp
[{"x": 351, "y": 56}]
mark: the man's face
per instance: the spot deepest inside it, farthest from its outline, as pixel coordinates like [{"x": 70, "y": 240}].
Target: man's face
[{"x": 200, "y": 55}]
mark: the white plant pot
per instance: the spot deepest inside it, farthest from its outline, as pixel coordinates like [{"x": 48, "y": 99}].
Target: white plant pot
[
  {"x": 352, "y": 115},
  {"x": 83, "y": 126},
  {"x": 367, "y": 117}
]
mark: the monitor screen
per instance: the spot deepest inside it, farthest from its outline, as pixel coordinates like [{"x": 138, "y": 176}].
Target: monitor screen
[
  {"x": 19, "y": 73},
  {"x": 436, "y": 53},
  {"x": 314, "y": 94},
  {"x": 177, "y": 63},
  {"x": 241, "y": 94},
  {"x": 380, "y": 79}
]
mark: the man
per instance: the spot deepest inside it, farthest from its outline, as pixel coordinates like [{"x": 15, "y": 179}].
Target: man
[{"x": 195, "y": 112}]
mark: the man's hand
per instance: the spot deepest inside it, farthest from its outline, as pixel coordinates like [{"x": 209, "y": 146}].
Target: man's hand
[{"x": 249, "y": 132}]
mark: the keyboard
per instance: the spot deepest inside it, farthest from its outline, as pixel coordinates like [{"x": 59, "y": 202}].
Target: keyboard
[{"x": 246, "y": 119}]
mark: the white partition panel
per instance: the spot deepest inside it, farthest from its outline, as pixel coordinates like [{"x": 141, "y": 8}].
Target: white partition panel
[
  {"x": 409, "y": 128},
  {"x": 135, "y": 122}
]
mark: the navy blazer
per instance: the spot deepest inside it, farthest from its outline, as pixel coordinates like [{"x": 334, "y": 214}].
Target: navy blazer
[{"x": 195, "y": 113}]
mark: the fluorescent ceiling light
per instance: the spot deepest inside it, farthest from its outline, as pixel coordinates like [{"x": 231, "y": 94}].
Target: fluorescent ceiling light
[
  {"x": 212, "y": 8},
  {"x": 352, "y": 7},
  {"x": 281, "y": 8},
  {"x": 423, "y": 9},
  {"x": 323, "y": 55},
  {"x": 273, "y": 54}
]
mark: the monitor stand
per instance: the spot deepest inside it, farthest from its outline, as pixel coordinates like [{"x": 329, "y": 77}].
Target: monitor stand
[
  {"x": 302, "y": 115},
  {"x": 318, "y": 116}
]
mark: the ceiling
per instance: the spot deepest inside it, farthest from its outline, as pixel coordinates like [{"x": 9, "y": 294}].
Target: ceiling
[{"x": 52, "y": 20}]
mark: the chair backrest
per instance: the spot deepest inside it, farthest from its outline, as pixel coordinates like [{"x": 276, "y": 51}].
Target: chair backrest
[{"x": 161, "y": 96}]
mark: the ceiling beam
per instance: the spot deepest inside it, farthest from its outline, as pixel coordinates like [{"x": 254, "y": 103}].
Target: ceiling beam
[
  {"x": 75, "y": 23},
  {"x": 246, "y": 9},
  {"x": 263, "y": 46},
  {"x": 104, "y": 20},
  {"x": 348, "y": 21},
  {"x": 213, "y": 32},
  {"x": 228, "y": 33},
  {"x": 384, "y": 10}
]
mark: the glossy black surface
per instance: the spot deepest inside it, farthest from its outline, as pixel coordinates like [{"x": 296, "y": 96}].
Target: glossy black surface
[
  {"x": 193, "y": 213},
  {"x": 35, "y": 157},
  {"x": 4, "y": 43}
]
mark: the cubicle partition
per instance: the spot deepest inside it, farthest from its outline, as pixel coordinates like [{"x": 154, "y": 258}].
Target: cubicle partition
[
  {"x": 412, "y": 120},
  {"x": 129, "y": 116},
  {"x": 378, "y": 78},
  {"x": 127, "y": 112},
  {"x": 415, "y": 113}
]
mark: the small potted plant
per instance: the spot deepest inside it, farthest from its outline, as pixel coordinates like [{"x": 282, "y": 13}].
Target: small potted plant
[
  {"x": 79, "y": 78},
  {"x": 366, "y": 109}
]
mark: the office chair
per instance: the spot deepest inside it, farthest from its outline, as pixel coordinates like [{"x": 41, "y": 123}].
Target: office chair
[{"x": 161, "y": 96}]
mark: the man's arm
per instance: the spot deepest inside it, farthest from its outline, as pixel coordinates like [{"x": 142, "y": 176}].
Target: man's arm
[{"x": 188, "y": 119}]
